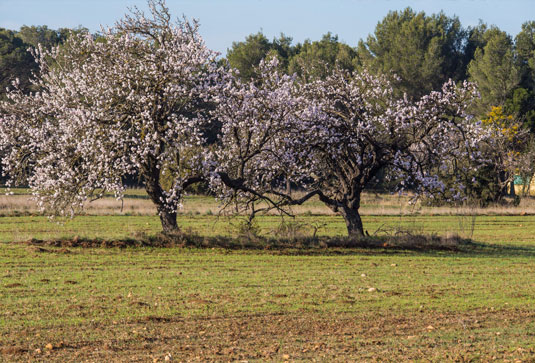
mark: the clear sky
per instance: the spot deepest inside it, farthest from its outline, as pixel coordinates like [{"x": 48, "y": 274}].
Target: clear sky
[{"x": 225, "y": 21}]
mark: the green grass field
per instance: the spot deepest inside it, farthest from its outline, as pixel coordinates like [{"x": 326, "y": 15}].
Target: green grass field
[
  {"x": 510, "y": 230},
  {"x": 188, "y": 304}
]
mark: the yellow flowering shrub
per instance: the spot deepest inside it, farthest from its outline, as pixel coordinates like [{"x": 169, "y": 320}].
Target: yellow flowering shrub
[{"x": 504, "y": 124}]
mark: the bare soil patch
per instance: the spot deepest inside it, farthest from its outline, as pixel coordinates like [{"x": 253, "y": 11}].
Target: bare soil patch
[{"x": 291, "y": 337}]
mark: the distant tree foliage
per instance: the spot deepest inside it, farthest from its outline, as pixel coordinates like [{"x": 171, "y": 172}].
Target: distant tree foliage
[
  {"x": 494, "y": 70},
  {"x": 316, "y": 59},
  {"x": 522, "y": 104},
  {"x": 522, "y": 100},
  {"x": 419, "y": 53},
  {"x": 48, "y": 38},
  {"x": 15, "y": 61},
  {"x": 423, "y": 51},
  {"x": 246, "y": 56},
  {"x": 525, "y": 54}
]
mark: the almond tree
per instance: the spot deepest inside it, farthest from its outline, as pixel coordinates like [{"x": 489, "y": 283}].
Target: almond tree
[
  {"x": 332, "y": 137},
  {"x": 131, "y": 101},
  {"x": 362, "y": 129}
]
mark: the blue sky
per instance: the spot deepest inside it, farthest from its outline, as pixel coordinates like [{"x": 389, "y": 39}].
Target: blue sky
[{"x": 225, "y": 21}]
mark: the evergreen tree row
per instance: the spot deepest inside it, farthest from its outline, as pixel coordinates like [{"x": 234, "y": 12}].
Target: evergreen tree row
[{"x": 420, "y": 52}]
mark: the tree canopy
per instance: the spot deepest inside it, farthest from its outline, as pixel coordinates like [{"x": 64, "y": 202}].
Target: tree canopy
[
  {"x": 423, "y": 51},
  {"x": 132, "y": 102},
  {"x": 317, "y": 59},
  {"x": 494, "y": 70},
  {"x": 311, "y": 58},
  {"x": 246, "y": 56},
  {"x": 15, "y": 61}
]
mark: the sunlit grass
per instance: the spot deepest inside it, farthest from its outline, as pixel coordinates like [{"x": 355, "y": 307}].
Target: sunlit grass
[
  {"x": 79, "y": 299},
  {"x": 137, "y": 303}
]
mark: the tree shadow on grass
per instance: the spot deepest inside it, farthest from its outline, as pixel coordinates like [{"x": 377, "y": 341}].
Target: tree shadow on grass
[{"x": 480, "y": 249}]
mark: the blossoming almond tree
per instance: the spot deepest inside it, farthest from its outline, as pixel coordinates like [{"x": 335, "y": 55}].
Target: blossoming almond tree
[
  {"x": 332, "y": 137},
  {"x": 130, "y": 102},
  {"x": 361, "y": 129}
]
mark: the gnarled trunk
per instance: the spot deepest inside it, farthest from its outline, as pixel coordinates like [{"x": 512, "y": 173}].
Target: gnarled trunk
[
  {"x": 168, "y": 220},
  {"x": 348, "y": 208},
  {"x": 353, "y": 221},
  {"x": 166, "y": 211}
]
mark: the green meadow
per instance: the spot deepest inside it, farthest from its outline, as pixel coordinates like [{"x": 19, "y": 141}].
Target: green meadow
[{"x": 62, "y": 303}]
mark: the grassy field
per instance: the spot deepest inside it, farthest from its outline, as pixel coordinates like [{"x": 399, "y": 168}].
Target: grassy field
[
  {"x": 188, "y": 304},
  {"x": 509, "y": 230}
]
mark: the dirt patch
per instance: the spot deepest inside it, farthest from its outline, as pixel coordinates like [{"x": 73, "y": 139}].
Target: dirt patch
[
  {"x": 37, "y": 249},
  {"x": 12, "y": 350},
  {"x": 296, "y": 336},
  {"x": 13, "y": 285},
  {"x": 62, "y": 244},
  {"x": 153, "y": 318}
]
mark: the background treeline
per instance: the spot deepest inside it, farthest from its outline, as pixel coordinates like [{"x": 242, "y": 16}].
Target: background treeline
[
  {"x": 15, "y": 59},
  {"x": 423, "y": 52}
]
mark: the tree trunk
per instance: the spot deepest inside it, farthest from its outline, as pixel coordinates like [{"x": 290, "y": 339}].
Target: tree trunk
[
  {"x": 349, "y": 209},
  {"x": 168, "y": 220},
  {"x": 288, "y": 186},
  {"x": 353, "y": 221},
  {"x": 154, "y": 189}
]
